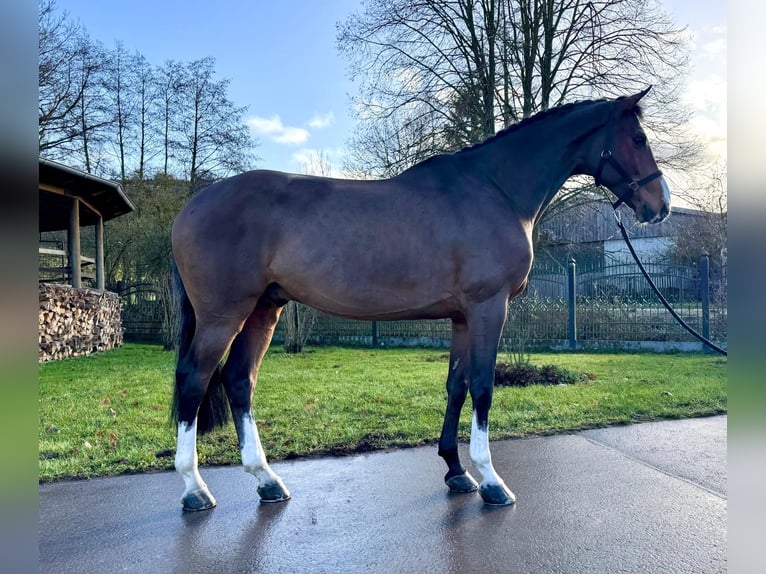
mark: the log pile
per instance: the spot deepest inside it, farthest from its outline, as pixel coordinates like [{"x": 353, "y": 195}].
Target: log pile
[{"x": 76, "y": 322}]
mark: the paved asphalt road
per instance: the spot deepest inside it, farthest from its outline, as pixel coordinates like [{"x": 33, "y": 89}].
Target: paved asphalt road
[{"x": 643, "y": 498}]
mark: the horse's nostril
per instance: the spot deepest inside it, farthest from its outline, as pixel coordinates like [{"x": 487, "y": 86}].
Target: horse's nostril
[{"x": 659, "y": 216}]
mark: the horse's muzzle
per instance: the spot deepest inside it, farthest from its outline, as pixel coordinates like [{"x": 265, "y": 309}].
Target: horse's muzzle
[
  {"x": 664, "y": 212},
  {"x": 648, "y": 215}
]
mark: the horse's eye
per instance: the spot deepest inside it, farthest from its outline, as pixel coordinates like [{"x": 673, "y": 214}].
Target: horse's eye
[{"x": 640, "y": 141}]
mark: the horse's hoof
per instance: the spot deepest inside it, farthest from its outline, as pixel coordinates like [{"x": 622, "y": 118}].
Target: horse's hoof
[
  {"x": 496, "y": 494},
  {"x": 198, "y": 500},
  {"x": 273, "y": 492},
  {"x": 461, "y": 483}
]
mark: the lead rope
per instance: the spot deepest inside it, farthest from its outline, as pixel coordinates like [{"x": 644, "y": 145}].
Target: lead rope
[{"x": 657, "y": 291}]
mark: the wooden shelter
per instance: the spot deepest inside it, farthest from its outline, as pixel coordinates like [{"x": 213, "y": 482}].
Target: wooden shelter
[{"x": 71, "y": 199}]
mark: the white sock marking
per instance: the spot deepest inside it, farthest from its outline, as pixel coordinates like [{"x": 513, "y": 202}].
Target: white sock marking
[
  {"x": 253, "y": 456},
  {"x": 186, "y": 457},
  {"x": 480, "y": 455}
]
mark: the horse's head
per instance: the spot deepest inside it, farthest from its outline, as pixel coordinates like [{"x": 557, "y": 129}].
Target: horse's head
[{"x": 626, "y": 164}]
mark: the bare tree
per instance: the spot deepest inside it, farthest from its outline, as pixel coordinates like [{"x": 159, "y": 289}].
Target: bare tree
[
  {"x": 111, "y": 112},
  {"x": 121, "y": 91},
  {"x": 146, "y": 97},
  {"x": 170, "y": 84},
  {"x": 709, "y": 233},
  {"x": 74, "y": 115},
  {"x": 94, "y": 112},
  {"x": 59, "y": 91},
  {"x": 213, "y": 139},
  {"x": 318, "y": 163},
  {"x": 133, "y": 99},
  {"x": 458, "y": 70},
  {"x": 388, "y": 145}
]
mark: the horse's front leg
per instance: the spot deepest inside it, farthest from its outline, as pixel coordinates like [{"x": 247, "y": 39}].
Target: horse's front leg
[
  {"x": 485, "y": 327},
  {"x": 493, "y": 490},
  {"x": 457, "y": 478}
]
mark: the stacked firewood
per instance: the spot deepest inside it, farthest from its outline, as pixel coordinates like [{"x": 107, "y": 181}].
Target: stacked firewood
[{"x": 76, "y": 322}]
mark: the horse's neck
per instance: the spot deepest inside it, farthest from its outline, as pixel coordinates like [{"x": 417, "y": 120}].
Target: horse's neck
[{"x": 532, "y": 163}]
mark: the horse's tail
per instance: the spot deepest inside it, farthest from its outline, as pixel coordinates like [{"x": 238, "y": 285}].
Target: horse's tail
[{"x": 214, "y": 408}]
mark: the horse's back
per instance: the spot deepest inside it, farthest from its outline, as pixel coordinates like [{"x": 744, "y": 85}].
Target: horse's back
[
  {"x": 407, "y": 246},
  {"x": 264, "y": 203},
  {"x": 269, "y": 219}
]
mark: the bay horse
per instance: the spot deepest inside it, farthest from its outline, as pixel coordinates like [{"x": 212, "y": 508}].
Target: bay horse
[{"x": 450, "y": 237}]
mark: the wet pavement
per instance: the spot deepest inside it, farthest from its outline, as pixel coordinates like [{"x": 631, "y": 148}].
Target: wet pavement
[{"x": 642, "y": 498}]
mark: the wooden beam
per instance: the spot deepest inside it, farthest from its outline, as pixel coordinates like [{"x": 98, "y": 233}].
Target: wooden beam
[
  {"x": 69, "y": 194},
  {"x": 48, "y": 251},
  {"x": 74, "y": 243},
  {"x": 100, "y": 253},
  {"x": 52, "y": 188}
]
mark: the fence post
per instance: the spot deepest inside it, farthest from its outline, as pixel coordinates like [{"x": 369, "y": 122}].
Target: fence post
[
  {"x": 375, "y": 334},
  {"x": 705, "y": 294},
  {"x": 572, "y": 273}
]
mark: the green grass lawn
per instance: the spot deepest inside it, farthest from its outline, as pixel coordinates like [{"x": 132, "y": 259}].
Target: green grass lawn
[{"x": 107, "y": 414}]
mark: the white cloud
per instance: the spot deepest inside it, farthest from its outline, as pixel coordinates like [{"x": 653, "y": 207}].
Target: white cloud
[
  {"x": 706, "y": 88},
  {"x": 274, "y": 129},
  {"x": 320, "y": 121},
  {"x": 266, "y": 126},
  {"x": 707, "y": 92},
  {"x": 708, "y": 98},
  {"x": 715, "y": 47},
  {"x": 292, "y": 136}
]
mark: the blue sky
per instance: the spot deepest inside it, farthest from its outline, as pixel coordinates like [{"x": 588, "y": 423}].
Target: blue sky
[{"x": 282, "y": 60}]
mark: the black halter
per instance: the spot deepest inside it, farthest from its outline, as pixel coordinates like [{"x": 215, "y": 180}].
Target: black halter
[{"x": 608, "y": 158}]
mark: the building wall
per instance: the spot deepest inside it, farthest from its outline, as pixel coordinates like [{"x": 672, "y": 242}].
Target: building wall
[{"x": 653, "y": 248}]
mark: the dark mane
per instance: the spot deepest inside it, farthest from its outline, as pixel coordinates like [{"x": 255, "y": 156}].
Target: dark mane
[{"x": 526, "y": 122}]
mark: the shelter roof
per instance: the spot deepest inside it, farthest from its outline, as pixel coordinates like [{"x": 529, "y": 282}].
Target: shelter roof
[{"x": 59, "y": 183}]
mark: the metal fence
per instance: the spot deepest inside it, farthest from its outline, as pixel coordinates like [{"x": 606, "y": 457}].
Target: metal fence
[
  {"x": 142, "y": 311},
  {"x": 613, "y": 307}
]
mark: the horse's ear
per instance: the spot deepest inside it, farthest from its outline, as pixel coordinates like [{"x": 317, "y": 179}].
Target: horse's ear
[
  {"x": 632, "y": 101},
  {"x": 640, "y": 95}
]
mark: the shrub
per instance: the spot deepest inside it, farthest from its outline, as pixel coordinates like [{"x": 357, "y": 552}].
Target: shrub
[{"x": 523, "y": 375}]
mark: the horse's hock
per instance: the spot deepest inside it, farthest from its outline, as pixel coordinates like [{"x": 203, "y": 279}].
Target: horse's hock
[{"x": 76, "y": 322}]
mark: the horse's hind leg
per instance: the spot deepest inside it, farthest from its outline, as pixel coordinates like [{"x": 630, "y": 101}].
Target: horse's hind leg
[
  {"x": 240, "y": 377},
  {"x": 457, "y": 478},
  {"x": 196, "y": 495},
  {"x": 193, "y": 375}
]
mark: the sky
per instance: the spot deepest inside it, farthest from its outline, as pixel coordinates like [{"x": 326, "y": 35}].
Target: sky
[{"x": 282, "y": 60}]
